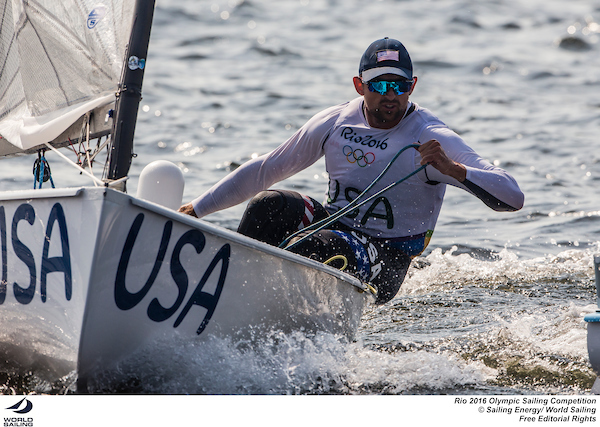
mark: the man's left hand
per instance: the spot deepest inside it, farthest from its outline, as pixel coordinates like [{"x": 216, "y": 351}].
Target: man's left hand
[{"x": 188, "y": 209}]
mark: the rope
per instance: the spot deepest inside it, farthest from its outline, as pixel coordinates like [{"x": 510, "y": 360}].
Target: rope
[
  {"x": 353, "y": 204},
  {"x": 370, "y": 287},
  {"x": 336, "y": 257},
  {"x": 96, "y": 181},
  {"x": 41, "y": 171}
]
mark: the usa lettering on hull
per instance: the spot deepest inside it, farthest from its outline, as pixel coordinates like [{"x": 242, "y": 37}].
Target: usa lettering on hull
[
  {"x": 154, "y": 278},
  {"x": 35, "y": 247},
  {"x": 157, "y": 310}
]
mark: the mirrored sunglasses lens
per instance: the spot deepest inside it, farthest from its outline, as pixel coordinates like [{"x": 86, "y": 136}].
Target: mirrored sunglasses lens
[
  {"x": 405, "y": 86},
  {"x": 379, "y": 87},
  {"x": 382, "y": 87}
]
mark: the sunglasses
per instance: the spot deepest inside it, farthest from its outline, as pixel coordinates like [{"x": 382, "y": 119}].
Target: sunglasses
[{"x": 382, "y": 87}]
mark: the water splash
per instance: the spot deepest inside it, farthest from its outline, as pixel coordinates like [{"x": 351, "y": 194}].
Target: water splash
[
  {"x": 518, "y": 323},
  {"x": 284, "y": 364}
]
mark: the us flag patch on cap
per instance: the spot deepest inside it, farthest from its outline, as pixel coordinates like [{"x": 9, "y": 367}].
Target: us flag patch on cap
[{"x": 387, "y": 55}]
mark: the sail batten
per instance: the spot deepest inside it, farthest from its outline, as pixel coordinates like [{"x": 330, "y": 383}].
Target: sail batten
[{"x": 61, "y": 59}]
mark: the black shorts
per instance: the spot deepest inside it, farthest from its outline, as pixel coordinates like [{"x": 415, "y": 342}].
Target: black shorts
[{"x": 274, "y": 215}]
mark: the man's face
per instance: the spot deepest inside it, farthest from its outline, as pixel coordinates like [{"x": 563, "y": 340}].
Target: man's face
[{"x": 383, "y": 111}]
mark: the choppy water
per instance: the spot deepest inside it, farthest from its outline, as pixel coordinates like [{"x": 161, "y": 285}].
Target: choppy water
[{"x": 496, "y": 303}]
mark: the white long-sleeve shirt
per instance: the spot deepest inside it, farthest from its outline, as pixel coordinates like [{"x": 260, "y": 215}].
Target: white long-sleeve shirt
[{"x": 355, "y": 154}]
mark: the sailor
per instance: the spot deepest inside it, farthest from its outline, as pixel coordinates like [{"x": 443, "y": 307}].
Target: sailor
[{"x": 359, "y": 139}]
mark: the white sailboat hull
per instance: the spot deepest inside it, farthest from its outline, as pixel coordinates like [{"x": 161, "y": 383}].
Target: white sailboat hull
[
  {"x": 91, "y": 275},
  {"x": 47, "y": 240}
]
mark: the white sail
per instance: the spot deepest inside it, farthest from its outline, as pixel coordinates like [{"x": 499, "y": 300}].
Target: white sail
[{"x": 60, "y": 60}]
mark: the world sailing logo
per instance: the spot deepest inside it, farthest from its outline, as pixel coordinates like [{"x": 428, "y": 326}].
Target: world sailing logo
[
  {"x": 96, "y": 15},
  {"x": 23, "y": 406},
  {"x": 28, "y": 406}
]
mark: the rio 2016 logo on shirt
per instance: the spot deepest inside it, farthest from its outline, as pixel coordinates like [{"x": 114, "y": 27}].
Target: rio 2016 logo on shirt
[{"x": 358, "y": 156}]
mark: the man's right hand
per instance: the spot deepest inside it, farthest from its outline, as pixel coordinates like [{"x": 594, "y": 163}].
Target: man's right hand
[{"x": 432, "y": 153}]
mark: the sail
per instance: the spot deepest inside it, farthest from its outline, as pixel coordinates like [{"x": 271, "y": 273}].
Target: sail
[{"x": 59, "y": 60}]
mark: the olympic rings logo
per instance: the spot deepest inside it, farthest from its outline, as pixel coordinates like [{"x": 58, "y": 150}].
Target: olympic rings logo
[{"x": 358, "y": 156}]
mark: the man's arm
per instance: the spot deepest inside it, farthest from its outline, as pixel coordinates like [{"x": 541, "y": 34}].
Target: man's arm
[
  {"x": 300, "y": 151},
  {"x": 453, "y": 162}
]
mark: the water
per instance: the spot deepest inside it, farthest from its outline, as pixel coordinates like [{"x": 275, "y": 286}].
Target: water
[{"x": 496, "y": 303}]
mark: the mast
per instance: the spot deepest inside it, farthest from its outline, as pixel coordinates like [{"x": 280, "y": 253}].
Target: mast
[{"x": 130, "y": 91}]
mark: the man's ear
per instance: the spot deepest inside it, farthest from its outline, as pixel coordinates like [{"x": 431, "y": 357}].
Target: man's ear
[
  {"x": 359, "y": 85},
  {"x": 413, "y": 85}
]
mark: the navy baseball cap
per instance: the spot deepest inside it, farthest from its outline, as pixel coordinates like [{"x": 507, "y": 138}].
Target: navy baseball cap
[{"x": 385, "y": 56}]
